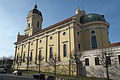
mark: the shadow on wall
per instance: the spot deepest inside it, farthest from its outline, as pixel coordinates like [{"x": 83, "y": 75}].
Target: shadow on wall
[
  {"x": 114, "y": 72},
  {"x": 100, "y": 72},
  {"x": 95, "y": 72},
  {"x": 82, "y": 70}
]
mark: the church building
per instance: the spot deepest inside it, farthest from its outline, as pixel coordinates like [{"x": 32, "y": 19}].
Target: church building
[{"x": 79, "y": 33}]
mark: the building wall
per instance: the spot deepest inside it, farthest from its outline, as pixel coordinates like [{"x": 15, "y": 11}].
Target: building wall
[
  {"x": 58, "y": 40},
  {"x": 100, "y": 29},
  {"x": 100, "y": 70}
]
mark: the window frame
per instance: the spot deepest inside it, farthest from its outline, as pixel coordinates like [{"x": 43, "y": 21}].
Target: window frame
[
  {"x": 51, "y": 53},
  {"x": 87, "y": 62},
  {"x": 31, "y": 56},
  {"x": 97, "y": 61},
  {"x": 94, "y": 43},
  {"x": 40, "y": 54},
  {"x": 24, "y": 57},
  {"x": 64, "y": 50}
]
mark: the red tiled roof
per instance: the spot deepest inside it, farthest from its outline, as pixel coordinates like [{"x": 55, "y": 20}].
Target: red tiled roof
[
  {"x": 54, "y": 25},
  {"x": 115, "y": 44},
  {"x": 68, "y": 19}
]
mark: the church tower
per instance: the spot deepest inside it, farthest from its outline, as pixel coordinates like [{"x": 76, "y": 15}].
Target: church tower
[{"x": 34, "y": 21}]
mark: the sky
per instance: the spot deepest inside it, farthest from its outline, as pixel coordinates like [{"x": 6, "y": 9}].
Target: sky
[{"x": 13, "y": 15}]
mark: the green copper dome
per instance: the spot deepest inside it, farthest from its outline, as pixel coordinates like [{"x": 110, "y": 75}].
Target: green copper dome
[{"x": 91, "y": 17}]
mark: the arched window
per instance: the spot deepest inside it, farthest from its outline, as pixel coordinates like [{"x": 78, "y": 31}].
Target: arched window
[
  {"x": 24, "y": 57},
  {"x": 40, "y": 55},
  {"x": 94, "y": 42},
  {"x": 38, "y": 24},
  {"x": 28, "y": 25},
  {"x": 17, "y": 58},
  {"x": 51, "y": 54},
  {"x": 31, "y": 56},
  {"x": 64, "y": 50}
]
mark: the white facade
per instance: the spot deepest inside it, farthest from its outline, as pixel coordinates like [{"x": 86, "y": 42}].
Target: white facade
[{"x": 98, "y": 70}]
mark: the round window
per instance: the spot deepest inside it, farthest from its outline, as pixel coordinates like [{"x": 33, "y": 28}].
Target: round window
[
  {"x": 50, "y": 37},
  {"x": 64, "y": 33},
  {"x": 92, "y": 32},
  {"x": 40, "y": 41}
]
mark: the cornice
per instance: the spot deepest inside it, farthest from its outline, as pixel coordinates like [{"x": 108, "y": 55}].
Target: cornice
[{"x": 44, "y": 32}]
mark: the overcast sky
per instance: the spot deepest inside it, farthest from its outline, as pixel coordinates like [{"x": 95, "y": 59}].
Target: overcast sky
[{"x": 13, "y": 15}]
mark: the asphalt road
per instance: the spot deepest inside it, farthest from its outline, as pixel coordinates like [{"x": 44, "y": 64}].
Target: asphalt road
[{"x": 14, "y": 77}]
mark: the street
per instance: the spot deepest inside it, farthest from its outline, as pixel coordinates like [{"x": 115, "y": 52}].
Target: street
[{"x": 14, "y": 77}]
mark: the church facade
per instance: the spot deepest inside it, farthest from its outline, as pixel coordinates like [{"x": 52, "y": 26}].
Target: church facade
[{"x": 62, "y": 40}]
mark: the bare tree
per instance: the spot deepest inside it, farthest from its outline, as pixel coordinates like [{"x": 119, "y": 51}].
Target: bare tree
[
  {"x": 75, "y": 59},
  {"x": 40, "y": 59},
  {"x": 54, "y": 61},
  {"x": 105, "y": 61}
]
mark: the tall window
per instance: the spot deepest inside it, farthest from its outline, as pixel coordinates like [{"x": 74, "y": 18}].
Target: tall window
[
  {"x": 108, "y": 60},
  {"x": 40, "y": 55},
  {"x": 64, "y": 50},
  {"x": 79, "y": 47},
  {"x": 24, "y": 57},
  {"x": 38, "y": 24},
  {"x": 119, "y": 58},
  {"x": 97, "y": 61},
  {"x": 31, "y": 56},
  {"x": 28, "y": 25},
  {"x": 51, "y": 54},
  {"x": 87, "y": 61},
  {"x": 17, "y": 57},
  {"x": 94, "y": 42}
]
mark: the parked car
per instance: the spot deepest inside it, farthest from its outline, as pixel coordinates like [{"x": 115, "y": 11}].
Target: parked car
[
  {"x": 51, "y": 78},
  {"x": 17, "y": 73},
  {"x": 2, "y": 70},
  {"x": 38, "y": 76}
]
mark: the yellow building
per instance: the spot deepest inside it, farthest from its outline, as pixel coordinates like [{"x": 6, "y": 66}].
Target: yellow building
[{"x": 63, "y": 39}]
